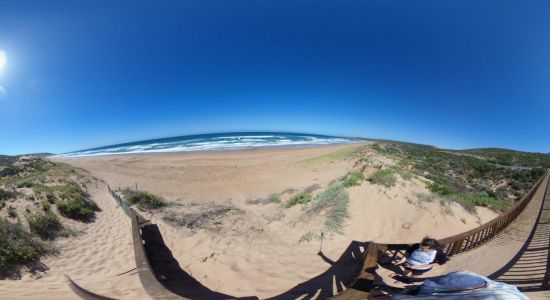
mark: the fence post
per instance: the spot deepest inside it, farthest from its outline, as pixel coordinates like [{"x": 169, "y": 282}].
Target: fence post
[{"x": 456, "y": 246}]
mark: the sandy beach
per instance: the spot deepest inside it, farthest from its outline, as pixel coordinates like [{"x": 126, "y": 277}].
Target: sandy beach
[{"x": 258, "y": 247}]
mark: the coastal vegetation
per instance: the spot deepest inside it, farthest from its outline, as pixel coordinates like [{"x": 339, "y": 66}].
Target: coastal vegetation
[
  {"x": 338, "y": 155},
  {"x": 494, "y": 178},
  {"x": 43, "y": 192},
  {"x": 353, "y": 178},
  {"x": 333, "y": 204},
  {"x": 44, "y": 224},
  {"x": 301, "y": 198},
  {"x": 144, "y": 200},
  {"x": 385, "y": 177},
  {"x": 19, "y": 247}
]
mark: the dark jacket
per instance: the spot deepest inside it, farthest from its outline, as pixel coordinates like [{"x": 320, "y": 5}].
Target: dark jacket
[{"x": 440, "y": 256}]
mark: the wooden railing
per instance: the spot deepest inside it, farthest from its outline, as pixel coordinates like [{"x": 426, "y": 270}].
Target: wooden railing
[
  {"x": 147, "y": 276},
  {"x": 474, "y": 238},
  {"x": 387, "y": 253},
  {"x": 120, "y": 202}
]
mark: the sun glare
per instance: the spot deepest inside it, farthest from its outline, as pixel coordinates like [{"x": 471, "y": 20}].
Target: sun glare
[{"x": 3, "y": 59}]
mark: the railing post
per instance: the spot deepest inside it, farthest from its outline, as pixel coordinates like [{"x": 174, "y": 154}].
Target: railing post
[{"x": 456, "y": 246}]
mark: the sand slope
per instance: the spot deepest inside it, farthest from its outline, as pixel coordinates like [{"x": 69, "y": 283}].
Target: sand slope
[{"x": 93, "y": 258}]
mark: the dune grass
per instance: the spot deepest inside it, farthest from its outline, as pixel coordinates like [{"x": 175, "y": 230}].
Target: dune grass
[
  {"x": 338, "y": 155},
  {"x": 385, "y": 177},
  {"x": 333, "y": 202},
  {"x": 353, "y": 178},
  {"x": 301, "y": 198},
  {"x": 144, "y": 200}
]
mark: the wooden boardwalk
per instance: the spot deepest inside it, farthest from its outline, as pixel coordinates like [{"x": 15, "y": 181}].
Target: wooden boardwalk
[{"x": 529, "y": 270}]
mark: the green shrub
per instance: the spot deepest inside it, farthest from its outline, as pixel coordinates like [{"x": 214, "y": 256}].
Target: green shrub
[
  {"x": 77, "y": 208},
  {"x": 301, "y": 198},
  {"x": 144, "y": 200},
  {"x": 353, "y": 178},
  {"x": 5, "y": 195},
  {"x": 385, "y": 177},
  {"x": 74, "y": 203},
  {"x": 18, "y": 247},
  {"x": 45, "y": 205},
  {"x": 439, "y": 189},
  {"x": 406, "y": 175},
  {"x": 468, "y": 200},
  {"x": 44, "y": 224},
  {"x": 25, "y": 184}
]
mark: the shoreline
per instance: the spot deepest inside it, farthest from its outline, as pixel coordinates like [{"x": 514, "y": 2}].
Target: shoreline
[{"x": 227, "y": 150}]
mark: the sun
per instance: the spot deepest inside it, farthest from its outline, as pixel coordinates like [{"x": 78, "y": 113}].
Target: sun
[{"x": 3, "y": 59}]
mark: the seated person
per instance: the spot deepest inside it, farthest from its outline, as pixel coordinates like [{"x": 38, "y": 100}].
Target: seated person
[{"x": 421, "y": 258}]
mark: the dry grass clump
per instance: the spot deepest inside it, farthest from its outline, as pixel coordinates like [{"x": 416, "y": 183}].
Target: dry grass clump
[
  {"x": 208, "y": 216},
  {"x": 273, "y": 198},
  {"x": 332, "y": 203}
]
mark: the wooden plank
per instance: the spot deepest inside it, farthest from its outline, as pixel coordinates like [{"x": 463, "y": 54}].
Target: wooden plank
[{"x": 148, "y": 279}]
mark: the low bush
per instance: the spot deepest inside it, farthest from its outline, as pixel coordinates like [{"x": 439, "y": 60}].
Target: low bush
[
  {"x": 467, "y": 200},
  {"x": 77, "y": 208},
  {"x": 24, "y": 184},
  {"x": 385, "y": 177},
  {"x": 5, "y": 195},
  {"x": 74, "y": 203},
  {"x": 44, "y": 224},
  {"x": 301, "y": 198},
  {"x": 144, "y": 200},
  {"x": 45, "y": 205},
  {"x": 353, "y": 178},
  {"x": 18, "y": 247}
]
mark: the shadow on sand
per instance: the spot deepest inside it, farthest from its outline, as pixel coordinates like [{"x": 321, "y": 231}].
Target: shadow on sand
[
  {"x": 335, "y": 279},
  {"x": 169, "y": 272}
]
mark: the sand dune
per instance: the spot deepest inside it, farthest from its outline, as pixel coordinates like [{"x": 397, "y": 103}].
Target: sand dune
[
  {"x": 93, "y": 258},
  {"x": 254, "y": 249}
]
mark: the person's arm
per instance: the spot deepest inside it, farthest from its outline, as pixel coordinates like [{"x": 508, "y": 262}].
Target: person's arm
[{"x": 421, "y": 267}]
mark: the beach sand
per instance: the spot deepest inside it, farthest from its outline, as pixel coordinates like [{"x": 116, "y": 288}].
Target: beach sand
[
  {"x": 254, "y": 248},
  {"x": 93, "y": 258}
]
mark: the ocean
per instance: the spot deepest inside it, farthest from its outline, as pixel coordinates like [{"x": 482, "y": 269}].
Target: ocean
[{"x": 216, "y": 142}]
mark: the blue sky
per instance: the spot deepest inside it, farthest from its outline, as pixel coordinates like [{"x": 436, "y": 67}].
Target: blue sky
[{"x": 457, "y": 74}]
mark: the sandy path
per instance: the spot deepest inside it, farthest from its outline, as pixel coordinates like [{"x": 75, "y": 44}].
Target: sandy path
[{"x": 92, "y": 259}]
